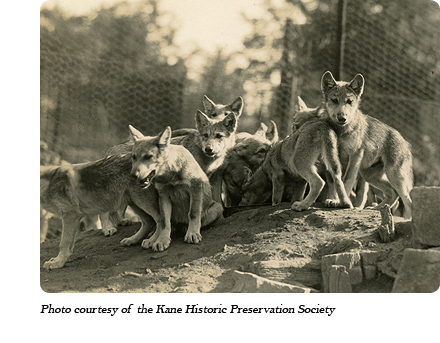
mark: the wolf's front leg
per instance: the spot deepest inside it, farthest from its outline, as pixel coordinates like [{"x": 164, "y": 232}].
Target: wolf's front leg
[
  {"x": 351, "y": 174},
  {"x": 162, "y": 237},
  {"x": 216, "y": 184},
  {"x": 70, "y": 227},
  {"x": 278, "y": 185},
  {"x": 195, "y": 213},
  {"x": 108, "y": 227}
]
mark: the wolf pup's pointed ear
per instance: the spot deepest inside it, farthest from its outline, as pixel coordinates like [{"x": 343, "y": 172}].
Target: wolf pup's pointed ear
[
  {"x": 261, "y": 130},
  {"x": 237, "y": 106},
  {"x": 135, "y": 134},
  {"x": 357, "y": 84},
  {"x": 164, "y": 137},
  {"x": 272, "y": 132},
  {"x": 201, "y": 119},
  {"x": 301, "y": 105},
  {"x": 208, "y": 104},
  {"x": 327, "y": 82},
  {"x": 230, "y": 122}
]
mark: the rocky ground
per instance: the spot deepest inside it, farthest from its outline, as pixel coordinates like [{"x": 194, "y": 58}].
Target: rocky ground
[{"x": 262, "y": 249}]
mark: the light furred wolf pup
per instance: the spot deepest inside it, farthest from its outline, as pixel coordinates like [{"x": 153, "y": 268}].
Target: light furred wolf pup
[
  {"x": 295, "y": 159},
  {"x": 209, "y": 145},
  {"x": 376, "y": 151},
  {"x": 216, "y": 112},
  {"x": 183, "y": 188},
  {"x": 88, "y": 189}
]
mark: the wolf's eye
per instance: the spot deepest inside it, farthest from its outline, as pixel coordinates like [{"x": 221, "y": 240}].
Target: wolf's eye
[
  {"x": 218, "y": 136},
  {"x": 349, "y": 102},
  {"x": 205, "y": 135},
  {"x": 335, "y": 101},
  {"x": 147, "y": 157}
]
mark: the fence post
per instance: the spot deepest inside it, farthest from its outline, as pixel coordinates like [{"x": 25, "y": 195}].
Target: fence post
[
  {"x": 284, "y": 92},
  {"x": 340, "y": 39}
]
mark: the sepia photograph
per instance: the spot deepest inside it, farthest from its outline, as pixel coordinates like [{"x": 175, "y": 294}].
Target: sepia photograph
[{"x": 270, "y": 146}]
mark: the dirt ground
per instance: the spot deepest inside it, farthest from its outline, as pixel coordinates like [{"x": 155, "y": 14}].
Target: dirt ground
[{"x": 266, "y": 233}]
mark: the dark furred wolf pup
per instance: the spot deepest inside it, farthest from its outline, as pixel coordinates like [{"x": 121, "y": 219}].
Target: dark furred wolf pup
[
  {"x": 377, "y": 151},
  {"x": 183, "y": 188}
]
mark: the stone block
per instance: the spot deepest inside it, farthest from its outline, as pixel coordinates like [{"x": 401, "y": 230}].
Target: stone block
[
  {"x": 339, "y": 280},
  {"x": 369, "y": 263},
  {"x": 350, "y": 260},
  {"x": 419, "y": 272},
  {"x": 426, "y": 215}
]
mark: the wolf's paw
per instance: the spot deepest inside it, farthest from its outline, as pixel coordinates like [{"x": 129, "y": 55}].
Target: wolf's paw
[
  {"x": 193, "y": 237},
  {"x": 109, "y": 231},
  {"x": 161, "y": 245},
  {"x": 127, "y": 242},
  {"x": 53, "y": 263},
  {"x": 331, "y": 203},
  {"x": 299, "y": 206},
  {"x": 147, "y": 243}
]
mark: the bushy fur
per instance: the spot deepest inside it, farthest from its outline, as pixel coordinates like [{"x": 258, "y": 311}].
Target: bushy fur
[
  {"x": 89, "y": 189},
  {"x": 375, "y": 150},
  {"x": 297, "y": 157},
  {"x": 248, "y": 153}
]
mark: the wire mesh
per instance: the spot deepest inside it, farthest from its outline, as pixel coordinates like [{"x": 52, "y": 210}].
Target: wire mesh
[{"x": 97, "y": 77}]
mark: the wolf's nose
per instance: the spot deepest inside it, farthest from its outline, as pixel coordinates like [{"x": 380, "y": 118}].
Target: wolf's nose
[
  {"x": 341, "y": 119},
  {"x": 208, "y": 150}
]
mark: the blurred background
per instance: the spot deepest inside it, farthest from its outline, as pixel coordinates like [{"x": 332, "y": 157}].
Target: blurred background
[{"x": 106, "y": 64}]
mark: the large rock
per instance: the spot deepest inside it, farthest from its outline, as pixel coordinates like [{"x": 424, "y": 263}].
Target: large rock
[
  {"x": 419, "y": 272},
  {"x": 426, "y": 215}
]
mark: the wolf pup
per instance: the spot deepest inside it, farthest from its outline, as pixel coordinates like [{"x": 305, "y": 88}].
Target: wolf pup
[
  {"x": 183, "y": 188},
  {"x": 216, "y": 112},
  {"x": 76, "y": 191},
  {"x": 377, "y": 151},
  {"x": 297, "y": 157},
  {"x": 209, "y": 145},
  {"x": 249, "y": 152},
  {"x": 219, "y": 111},
  {"x": 304, "y": 114}
]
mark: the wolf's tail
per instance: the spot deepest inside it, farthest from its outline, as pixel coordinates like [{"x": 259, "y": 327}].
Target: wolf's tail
[
  {"x": 46, "y": 175},
  {"x": 47, "y": 172}
]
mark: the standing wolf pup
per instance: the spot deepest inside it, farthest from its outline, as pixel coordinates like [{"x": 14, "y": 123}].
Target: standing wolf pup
[
  {"x": 296, "y": 158},
  {"x": 377, "y": 151}
]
